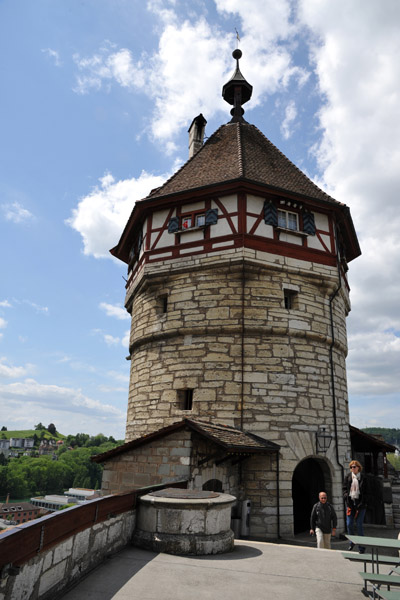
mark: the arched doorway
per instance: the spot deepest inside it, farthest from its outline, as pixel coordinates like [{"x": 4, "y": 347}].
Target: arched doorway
[{"x": 310, "y": 477}]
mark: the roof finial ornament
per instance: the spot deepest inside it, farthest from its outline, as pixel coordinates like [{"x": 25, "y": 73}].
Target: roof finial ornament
[
  {"x": 237, "y": 91},
  {"x": 237, "y": 38}
]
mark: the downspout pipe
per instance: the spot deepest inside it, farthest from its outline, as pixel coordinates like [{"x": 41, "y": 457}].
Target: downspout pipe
[
  {"x": 278, "y": 509},
  {"x": 331, "y": 299},
  {"x": 242, "y": 347}
]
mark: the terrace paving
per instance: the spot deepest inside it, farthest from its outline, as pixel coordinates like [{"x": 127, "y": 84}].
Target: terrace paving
[{"x": 253, "y": 570}]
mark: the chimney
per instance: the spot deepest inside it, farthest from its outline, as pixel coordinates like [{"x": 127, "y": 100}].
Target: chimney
[
  {"x": 8, "y": 498},
  {"x": 196, "y": 134}
]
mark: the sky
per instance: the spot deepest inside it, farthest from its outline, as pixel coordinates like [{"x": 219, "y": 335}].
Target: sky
[{"x": 97, "y": 97}]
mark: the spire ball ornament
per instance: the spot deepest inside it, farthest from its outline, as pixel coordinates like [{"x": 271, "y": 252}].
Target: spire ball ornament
[{"x": 237, "y": 91}]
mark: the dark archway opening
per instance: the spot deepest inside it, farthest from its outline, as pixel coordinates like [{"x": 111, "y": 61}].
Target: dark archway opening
[
  {"x": 213, "y": 485},
  {"x": 308, "y": 480}
]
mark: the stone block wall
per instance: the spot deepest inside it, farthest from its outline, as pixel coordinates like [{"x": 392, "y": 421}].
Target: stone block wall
[
  {"x": 51, "y": 573},
  {"x": 161, "y": 461},
  {"x": 218, "y": 325},
  {"x": 231, "y": 339}
]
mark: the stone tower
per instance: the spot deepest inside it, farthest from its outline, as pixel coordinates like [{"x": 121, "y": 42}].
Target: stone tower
[{"x": 237, "y": 287}]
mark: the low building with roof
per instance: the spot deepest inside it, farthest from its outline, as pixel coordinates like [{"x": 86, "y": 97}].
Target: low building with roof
[{"x": 18, "y": 512}]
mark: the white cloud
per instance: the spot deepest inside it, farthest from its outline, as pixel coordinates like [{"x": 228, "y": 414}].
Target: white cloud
[
  {"x": 3, "y": 323},
  {"x": 100, "y": 217},
  {"x": 118, "y": 376},
  {"x": 115, "y": 310},
  {"x": 185, "y": 75},
  {"x": 11, "y": 371},
  {"x": 290, "y": 116},
  {"x": 5, "y": 304},
  {"x": 54, "y": 397},
  {"x": 355, "y": 48},
  {"x": 16, "y": 213},
  {"x": 107, "y": 65},
  {"x": 53, "y": 55},
  {"x": 37, "y": 307},
  {"x": 111, "y": 340}
]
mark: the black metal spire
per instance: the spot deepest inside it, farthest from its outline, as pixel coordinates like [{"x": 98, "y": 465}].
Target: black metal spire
[{"x": 237, "y": 91}]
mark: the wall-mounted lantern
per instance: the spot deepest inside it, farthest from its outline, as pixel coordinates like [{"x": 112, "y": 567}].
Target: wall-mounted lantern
[{"x": 323, "y": 440}]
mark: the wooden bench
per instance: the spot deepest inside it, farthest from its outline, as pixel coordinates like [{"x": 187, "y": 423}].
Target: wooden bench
[
  {"x": 387, "y": 594},
  {"x": 367, "y": 558},
  {"x": 378, "y": 579}
]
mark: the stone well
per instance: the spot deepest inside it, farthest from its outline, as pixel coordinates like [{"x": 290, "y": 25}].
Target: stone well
[{"x": 178, "y": 521}]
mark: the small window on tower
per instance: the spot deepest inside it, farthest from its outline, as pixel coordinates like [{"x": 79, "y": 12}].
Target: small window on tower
[
  {"x": 162, "y": 302},
  {"x": 185, "y": 399},
  {"x": 290, "y": 299}
]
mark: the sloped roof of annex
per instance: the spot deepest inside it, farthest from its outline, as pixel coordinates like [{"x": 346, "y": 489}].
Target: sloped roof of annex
[{"x": 230, "y": 439}]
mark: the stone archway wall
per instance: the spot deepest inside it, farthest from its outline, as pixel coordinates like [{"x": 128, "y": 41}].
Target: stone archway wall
[{"x": 311, "y": 476}]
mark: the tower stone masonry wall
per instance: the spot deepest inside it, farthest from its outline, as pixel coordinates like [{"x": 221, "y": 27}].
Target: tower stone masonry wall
[{"x": 213, "y": 315}]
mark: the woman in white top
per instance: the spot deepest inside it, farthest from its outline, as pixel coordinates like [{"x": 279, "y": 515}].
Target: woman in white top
[{"x": 355, "y": 493}]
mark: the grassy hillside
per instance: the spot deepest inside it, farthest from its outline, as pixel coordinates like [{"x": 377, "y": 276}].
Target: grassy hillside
[{"x": 29, "y": 433}]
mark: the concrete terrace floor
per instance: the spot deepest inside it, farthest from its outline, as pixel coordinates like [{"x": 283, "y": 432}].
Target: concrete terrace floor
[{"x": 255, "y": 570}]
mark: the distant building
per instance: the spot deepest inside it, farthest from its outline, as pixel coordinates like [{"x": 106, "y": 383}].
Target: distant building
[
  {"x": 22, "y": 442},
  {"x": 19, "y": 512},
  {"x": 53, "y": 502},
  {"x": 47, "y": 447}
]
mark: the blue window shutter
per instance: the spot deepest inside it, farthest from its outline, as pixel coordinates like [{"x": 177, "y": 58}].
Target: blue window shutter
[
  {"x": 270, "y": 213},
  {"x": 173, "y": 225},
  {"x": 211, "y": 216},
  {"x": 308, "y": 223}
]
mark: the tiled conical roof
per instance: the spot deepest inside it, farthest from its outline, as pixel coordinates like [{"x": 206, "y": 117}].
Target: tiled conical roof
[{"x": 241, "y": 151}]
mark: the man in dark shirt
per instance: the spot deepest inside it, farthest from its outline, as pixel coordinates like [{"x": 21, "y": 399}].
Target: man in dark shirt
[{"x": 323, "y": 521}]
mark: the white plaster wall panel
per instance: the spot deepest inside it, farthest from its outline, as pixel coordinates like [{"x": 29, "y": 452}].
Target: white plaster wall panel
[
  {"x": 223, "y": 226},
  {"x": 166, "y": 239},
  {"x": 321, "y": 221},
  {"x": 314, "y": 242},
  {"x": 144, "y": 233},
  {"x": 194, "y": 206},
  {"x": 255, "y": 204},
  {"x": 250, "y": 222},
  {"x": 327, "y": 240},
  {"x": 264, "y": 230},
  {"x": 290, "y": 238},
  {"x": 159, "y": 217},
  {"x": 230, "y": 202},
  {"x": 192, "y": 236}
]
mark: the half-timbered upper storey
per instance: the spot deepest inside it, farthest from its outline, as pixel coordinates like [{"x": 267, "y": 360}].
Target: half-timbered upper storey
[{"x": 237, "y": 190}]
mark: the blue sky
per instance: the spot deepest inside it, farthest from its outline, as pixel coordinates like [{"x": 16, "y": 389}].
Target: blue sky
[{"x": 97, "y": 97}]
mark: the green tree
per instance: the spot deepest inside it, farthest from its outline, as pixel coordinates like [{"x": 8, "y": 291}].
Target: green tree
[
  {"x": 3, "y": 481},
  {"x": 4, "y": 428},
  {"x": 39, "y": 426},
  {"x": 52, "y": 429},
  {"x": 17, "y": 486}
]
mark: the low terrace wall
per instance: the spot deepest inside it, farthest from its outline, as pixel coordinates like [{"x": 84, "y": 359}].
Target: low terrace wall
[{"x": 43, "y": 558}]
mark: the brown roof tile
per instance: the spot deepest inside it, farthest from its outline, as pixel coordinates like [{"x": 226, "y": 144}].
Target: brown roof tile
[
  {"x": 233, "y": 440},
  {"x": 240, "y": 151}
]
